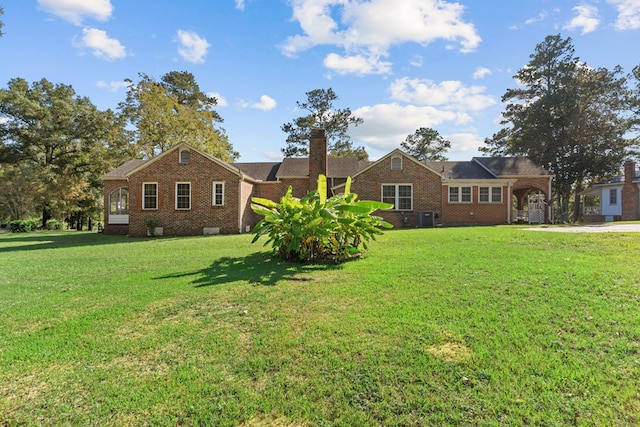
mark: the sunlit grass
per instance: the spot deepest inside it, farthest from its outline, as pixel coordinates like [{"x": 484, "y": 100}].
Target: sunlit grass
[{"x": 461, "y": 326}]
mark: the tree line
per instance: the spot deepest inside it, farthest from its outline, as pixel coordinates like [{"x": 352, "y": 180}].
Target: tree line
[
  {"x": 576, "y": 121},
  {"x": 55, "y": 145}
]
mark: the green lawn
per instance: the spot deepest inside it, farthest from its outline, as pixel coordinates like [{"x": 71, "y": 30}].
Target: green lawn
[{"x": 491, "y": 326}]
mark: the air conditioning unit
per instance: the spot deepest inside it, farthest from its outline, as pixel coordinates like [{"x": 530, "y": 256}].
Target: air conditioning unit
[{"x": 426, "y": 219}]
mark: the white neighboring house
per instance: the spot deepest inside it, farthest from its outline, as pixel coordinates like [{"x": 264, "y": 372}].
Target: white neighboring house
[{"x": 618, "y": 197}]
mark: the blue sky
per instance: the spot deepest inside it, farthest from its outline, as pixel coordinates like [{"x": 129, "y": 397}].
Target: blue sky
[{"x": 398, "y": 64}]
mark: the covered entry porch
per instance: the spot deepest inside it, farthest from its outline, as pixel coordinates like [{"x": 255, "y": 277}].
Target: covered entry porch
[{"x": 531, "y": 205}]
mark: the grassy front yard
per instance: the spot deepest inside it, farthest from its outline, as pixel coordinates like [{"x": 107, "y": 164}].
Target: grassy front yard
[{"x": 462, "y": 326}]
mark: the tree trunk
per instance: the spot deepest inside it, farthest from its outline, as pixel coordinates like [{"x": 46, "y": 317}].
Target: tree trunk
[
  {"x": 576, "y": 202},
  {"x": 46, "y": 215}
]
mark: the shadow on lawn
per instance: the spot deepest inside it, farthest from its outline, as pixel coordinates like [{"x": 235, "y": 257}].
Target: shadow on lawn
[
  {"x": 259, "y": 268},
  {"x": 12, "y": 242}
]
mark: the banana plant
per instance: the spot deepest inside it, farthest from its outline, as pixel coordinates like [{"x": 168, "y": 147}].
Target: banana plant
[{"x": 317, "y": 228}]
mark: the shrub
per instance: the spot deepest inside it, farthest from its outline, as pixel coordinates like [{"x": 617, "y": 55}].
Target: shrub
[
  {"x": 22, "y": 225},
  {"x": 54, "y": 224},
  {"x": 152, "y": 224},
  {"x": 315, "y": 228}
]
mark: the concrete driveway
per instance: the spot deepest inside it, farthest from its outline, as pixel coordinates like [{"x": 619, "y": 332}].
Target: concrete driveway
[{"x": 596, "y": 228}]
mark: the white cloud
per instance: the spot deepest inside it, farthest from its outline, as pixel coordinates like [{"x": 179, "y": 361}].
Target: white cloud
[
  {"x": 193, "y": 48},
  {"x": 266, "y": 103},
  {"x": 530, "y": 21},
  {"x": 587, "y": 19},
  {"x": 240, "y": 4},
  {"x": 628, "y": 14},
  {"x": 221, "y": 101},
  {"x": 448, "y": 94},
  {"x": 417, "y": 61},
  {"x": 367, "y": 29},
  {"x": 481, "y": 72},
  {"x": 100, "y": 44},
  {"x": 75, "y": 11},
  {"x": 464, "y": 142},
  {"x": 356, "y": 64},
  {"x": 387, "y": 125},
  {"x": 112, "y": 86}
]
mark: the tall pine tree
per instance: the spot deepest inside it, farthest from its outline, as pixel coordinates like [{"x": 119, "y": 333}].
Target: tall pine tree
[{"x": 566, "y": 117}]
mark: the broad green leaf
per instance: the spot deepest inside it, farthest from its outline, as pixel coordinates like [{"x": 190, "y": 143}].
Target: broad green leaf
[
  {"x": 373, "y": 205},
  {"x": 264, "y": 202},
  {"x": 356, "y": 209},
  {"x": 322, "y": 188}
]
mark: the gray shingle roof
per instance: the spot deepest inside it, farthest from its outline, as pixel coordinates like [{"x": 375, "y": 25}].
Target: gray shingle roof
[
  {"x": 511, "y": 166},
  {"x": 337, "y": 167},
  {"x": 460, "y": 170},
  {"x": 260, "y": 171},
  {"x": 121, "y": 171}
]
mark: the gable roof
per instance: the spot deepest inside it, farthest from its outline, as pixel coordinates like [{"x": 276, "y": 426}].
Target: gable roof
[
  {"x": 122, "y": 171},
  {"x": 132, "y": 166},
  {"x": 397, "y": 152}
]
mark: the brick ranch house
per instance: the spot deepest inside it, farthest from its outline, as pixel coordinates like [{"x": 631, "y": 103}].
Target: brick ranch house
[{"x": 189, "y": 192}]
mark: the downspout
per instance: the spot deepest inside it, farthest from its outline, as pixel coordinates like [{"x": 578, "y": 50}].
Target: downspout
[{"x": 509, "y": 202}]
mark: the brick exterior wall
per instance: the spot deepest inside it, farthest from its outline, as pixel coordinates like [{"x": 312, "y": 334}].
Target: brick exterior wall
[
  {"x": 201, "y": 172},
  {"x": 474, "y": 213},
  {"x": 427, "y": 189}
]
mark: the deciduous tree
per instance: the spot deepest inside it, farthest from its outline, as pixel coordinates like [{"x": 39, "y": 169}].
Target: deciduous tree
[
  {"x": 60, "y": 139},
  {"x": 173, "y": 111},
  {"x": 322, "y": 114}
]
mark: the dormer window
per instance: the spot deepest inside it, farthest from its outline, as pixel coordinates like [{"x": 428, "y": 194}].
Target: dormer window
[
  {"x": 185, "y": 156},
  {"x": 396, "y": 163}
]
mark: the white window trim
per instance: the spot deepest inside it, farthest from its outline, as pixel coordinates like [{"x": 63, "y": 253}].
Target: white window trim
[
  {"x": 144, "y": 198},
  {"x": 460, "y": 187},
  {"x": 613, "y": 191},
  {"x": 176, "y": 201},
  {"x": 121, "y": 211},
  {"x": 490, "y": 201},
  {"x": 213, "y": 193},
  {"x": 397, "y": 194},
  {"x": 398, "y": 158}
]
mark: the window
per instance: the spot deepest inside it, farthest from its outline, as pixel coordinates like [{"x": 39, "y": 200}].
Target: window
[
  {"x": 183, "y": 195},
  {"x": 490, "y": 194},
  {"x": 218, "y": 193},
  {"x": 150, "y": 195},
  {"x": 400, "y": 195},
  {"x": 613, "y": 197},
  {"x": 119, "y": 202},
  {"x": 396, "y": 163},
  {"x": 185, "y": 156},
  {"x": 459, "y": 194}
]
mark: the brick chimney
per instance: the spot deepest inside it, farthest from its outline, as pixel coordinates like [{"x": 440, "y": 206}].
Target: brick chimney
[
  {"x": 630, "y": 197},
  {"x": 317, "y": 157}
]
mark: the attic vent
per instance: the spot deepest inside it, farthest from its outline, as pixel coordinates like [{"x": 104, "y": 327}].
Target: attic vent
[
  {"x": 396, "y": 163},
  {"x": 185, "y": 156}
]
